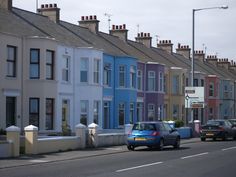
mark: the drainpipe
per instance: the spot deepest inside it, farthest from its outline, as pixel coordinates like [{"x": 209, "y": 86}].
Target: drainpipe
[
  {"x": 22, "y": 82},
  {"x": 144, "y": 89}
]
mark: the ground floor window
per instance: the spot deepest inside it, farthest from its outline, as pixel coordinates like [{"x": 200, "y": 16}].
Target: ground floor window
[
  {"x": 131, "y": 113},
  {"x": 84, "y": 112},
  {"x": 96, "y": 112},
  {"x": 10, "y": 111},
  {"x": 106, "y": 116},
  {"x": 139, "y": 111},
  {"x": 121, "y": 114},
  {"x": 34, "y": 111},
  {"x": 175, "y": 112},
  {"x": 49, "y": 113},
  {"x": 151, "y": 112}
]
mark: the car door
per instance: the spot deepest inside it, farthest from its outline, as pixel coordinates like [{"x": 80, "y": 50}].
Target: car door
[{"x": 171, "y": 134}]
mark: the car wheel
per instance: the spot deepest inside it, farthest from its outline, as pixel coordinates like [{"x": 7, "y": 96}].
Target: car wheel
[
  {"x": 130, "y": 147},
  {"x": 203, "y": 139},
  {"x": 225, "y": 137},
  {"x": 214, "y": 139},
  {"x": 161, "y": 145},
  {"x": 177, "y": 143}
]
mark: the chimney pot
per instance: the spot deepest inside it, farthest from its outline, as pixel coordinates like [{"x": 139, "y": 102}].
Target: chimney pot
[
  {"x": 46, "y": 5},
  {"x": 141, "y": 34},
  {"x": 50, "y": 5},
  {"x": 145, "y": 34},
  {"x": 95, "y": 17},
  {"x": 87, "y": 17},
  {"x": 113, "y": 27},
  {"x": 55, "y": 5},
  {"x": 138, "y": 34},
  {"x": 82, "y": 18},
  {"x": 124, "y": 26},
  {"x": 42, "y": 6},
  {"x": 90, "y": 17}
]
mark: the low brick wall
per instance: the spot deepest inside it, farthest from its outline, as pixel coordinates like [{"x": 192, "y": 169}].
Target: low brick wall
[
  {"x": 55, "y": 144},
  {"x": 5, "y": 149},
  {"x": 111, "y": 139}
]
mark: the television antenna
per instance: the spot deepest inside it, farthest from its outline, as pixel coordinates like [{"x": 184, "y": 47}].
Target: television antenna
[{"x": 109, "y": 20}]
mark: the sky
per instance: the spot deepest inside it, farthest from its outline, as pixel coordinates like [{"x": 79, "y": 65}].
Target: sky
[{"x": 215, "y": 30}]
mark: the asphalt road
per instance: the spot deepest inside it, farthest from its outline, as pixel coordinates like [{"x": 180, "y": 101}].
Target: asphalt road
[{"x": 202, "y": 159}]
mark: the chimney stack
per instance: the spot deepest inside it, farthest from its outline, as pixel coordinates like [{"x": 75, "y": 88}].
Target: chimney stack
[
  {"x": 212, "y": 59},
  {"x": 223, "y": 63},
  {"x": 199, "y": 55},
  {"x": 232, "y": 65},
  {"x": 183, "y": 50},
  {"x": 51, "y": 11},
  {"x": 6, "y": 4},
  {"x": 145, "y": 39},
  {"x": 166, "y": 45},
  {"x": 90, "y": 22},
  {"x": 119, "y": 31}
]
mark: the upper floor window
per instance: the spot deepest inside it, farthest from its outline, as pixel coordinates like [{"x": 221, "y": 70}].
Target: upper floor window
[
  {"x": 107, "y": 74},
  {"x": 96, "y": 71},
  {"x": 151, "y": 81},
  {"x": 165, "y": 83},
  {"x": 49, "y": 64},
  {"x": 66, "y": 69},
  {"x": 175, "y": 85},
  {"x": 11, "y": 61},
  {"x": 211, "y": 89},
  {"x": 140, "y": 80},
  {"x": 132, "y": 77},
  {"x": 34, "y": 63},
  {"x": 161, "y": 81},
  {"x": 84, "y": 70},
  {"x": 122, "y": 76},
  {"x": 195, "y": 82}
]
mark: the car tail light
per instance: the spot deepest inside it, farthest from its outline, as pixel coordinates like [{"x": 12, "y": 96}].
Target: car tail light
[
  {"x": 221, "y": 129},
  {"x": 155, "y": 133}
]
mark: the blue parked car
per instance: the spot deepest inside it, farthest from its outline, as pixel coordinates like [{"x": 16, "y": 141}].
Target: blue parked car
[{"x": 153, "y": 134}]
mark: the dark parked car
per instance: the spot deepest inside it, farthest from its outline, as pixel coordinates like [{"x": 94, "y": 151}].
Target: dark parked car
[
  {"x": 153, "y": 134},
  {"x": 218, "y": 129}
]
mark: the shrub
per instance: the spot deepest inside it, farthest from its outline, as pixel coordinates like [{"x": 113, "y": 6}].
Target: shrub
[{"x": 179, "y": 123}]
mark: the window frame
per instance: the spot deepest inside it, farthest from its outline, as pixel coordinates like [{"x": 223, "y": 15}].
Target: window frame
[
  {"x": 50, "y": 65},
  {"x": 122, "y": 76},
  {"x": 11, "y": 62},
  {"x": 50, "y": 113},
  {"x": 86, "y": 69},
  {"x": 96, "y": 71},
  {"x": 34, "y": 113},
  {"x": 33, "y": 63},
  {"x": 151, "y": 79}
]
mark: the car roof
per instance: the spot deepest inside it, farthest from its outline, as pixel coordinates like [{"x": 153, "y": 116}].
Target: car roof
[{"x": 148, "y": 122}]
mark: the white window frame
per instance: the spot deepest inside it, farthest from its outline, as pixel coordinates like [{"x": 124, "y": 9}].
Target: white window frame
[
  {"x": 66, "y": 69},
  {"x": 84, "y": 68},
  {"x": 96, "y": 71},
  {"x": 132, "y": 76},
  {"x": 151, "y": 109},
  {"x": 161, "y": 81},
  {"x": 122, "y": 72}
]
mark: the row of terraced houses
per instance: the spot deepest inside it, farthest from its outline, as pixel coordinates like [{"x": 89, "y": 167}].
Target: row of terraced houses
[{"x": 54, "y": 73}]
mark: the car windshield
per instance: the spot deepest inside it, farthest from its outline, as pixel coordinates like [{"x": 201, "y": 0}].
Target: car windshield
[
  {"x": 233, "y": 122},
  {"x": 144, "y": 126},
  {"x": 214, "y": 122}
]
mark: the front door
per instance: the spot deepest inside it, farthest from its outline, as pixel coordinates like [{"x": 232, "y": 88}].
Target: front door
[{"x": 10, "y": 111}]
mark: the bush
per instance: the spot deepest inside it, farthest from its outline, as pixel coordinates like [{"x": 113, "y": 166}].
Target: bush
[{"x": 179, "y": 123}]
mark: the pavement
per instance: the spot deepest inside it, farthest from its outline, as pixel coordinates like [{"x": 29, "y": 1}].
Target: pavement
[{"x": 24, "y": 160}]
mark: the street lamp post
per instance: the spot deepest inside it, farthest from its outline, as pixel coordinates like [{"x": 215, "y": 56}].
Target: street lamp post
[
  {"x": 193, "y": 36},
  {"x": 193, "y": 42}
]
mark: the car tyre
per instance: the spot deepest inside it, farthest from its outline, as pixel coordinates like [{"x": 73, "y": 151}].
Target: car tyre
[
  {"x": 177, "y": 143},
  {"x": 161, "y": 144},
  {"x": 203, "y": 139},
  {"x": 130, "y": 147}
]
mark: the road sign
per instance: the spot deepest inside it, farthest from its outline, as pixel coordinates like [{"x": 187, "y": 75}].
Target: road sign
[{"x": 194, "y": 97}]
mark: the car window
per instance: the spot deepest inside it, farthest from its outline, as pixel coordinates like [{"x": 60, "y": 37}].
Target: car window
[
  {"x": 167, "y": 127},
  {"x": 227, "y": 123},
  {"x": 217, "y": 123},
  {"x": 161, "y": 127},
  {"x": 144, "y": 126}
]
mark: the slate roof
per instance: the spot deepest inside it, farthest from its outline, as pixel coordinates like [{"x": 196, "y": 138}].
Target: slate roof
[
  {"x": 50, "y": 28},
  {"x": 96, "y": 40},
  {"x": 11, "y": 23}
]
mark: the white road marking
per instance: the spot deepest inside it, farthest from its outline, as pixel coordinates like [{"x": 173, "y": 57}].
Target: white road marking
[
  {"x": 196, "y": 155},
  {"x": 38, "y": 161},
  {"x": 230, "y": 148},
  {"x": 141, "y": 166}
]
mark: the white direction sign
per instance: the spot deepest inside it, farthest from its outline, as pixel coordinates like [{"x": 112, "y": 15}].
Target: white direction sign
[{"x": 194, "y": 97}]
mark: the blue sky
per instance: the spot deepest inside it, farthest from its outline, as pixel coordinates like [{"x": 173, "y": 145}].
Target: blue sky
[{"x": 215, "y": 30}]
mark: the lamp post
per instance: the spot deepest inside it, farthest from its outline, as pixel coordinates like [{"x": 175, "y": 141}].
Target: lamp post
[
  {"x": 193, "y": 42},
  {"x": 193, "y": 36}
]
